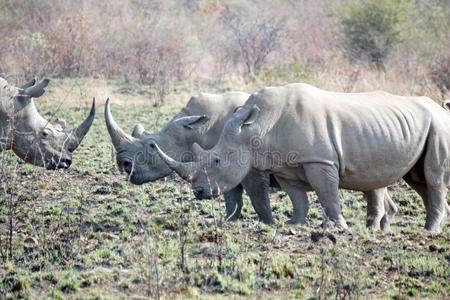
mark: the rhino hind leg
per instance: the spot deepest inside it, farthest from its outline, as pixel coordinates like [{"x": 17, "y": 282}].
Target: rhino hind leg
[
  {"x": 390, "y": 211},
  {"x": 233, "y": 203},
  {"x": 257, "y": 187},
  {"x": 380, "y": 209},
  {"x": 299, "y": 199},
  {"x": 324, "y": 179}
]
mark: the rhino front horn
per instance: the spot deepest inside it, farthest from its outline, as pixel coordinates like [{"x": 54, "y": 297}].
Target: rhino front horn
[
  {"x": 80, "y": 132},
  {"x": 185, "y": 169},
  {"x": 118, "y": 136}
]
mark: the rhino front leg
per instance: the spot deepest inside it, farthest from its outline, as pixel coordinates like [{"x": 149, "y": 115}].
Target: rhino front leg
[
  {"x": 297, "y": 193},
  {"x": 437, "y": 208},
  {"x": 324, "y": 179},
  {"x": 233, "y": 203},
  {"x": 380, "y": 209},
  {"x": 256, "y": 185},
  {"x": 434, "y": 198}
]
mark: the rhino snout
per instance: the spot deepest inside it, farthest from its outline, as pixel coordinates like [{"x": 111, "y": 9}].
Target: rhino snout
[
  {"x": 127, "y": 166},
  {"x": 199, "y": 193},
  {"x": 62, "y": 163}
]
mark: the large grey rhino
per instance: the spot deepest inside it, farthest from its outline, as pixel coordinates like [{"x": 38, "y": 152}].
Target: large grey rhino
[
  {"x": 312, "y": 139},
  {"x": 200, "y": 121},
  {"x": 31, "y": 137}
]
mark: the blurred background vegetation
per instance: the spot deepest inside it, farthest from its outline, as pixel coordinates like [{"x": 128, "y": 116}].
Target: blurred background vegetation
[{"x": 401, "y": 46}]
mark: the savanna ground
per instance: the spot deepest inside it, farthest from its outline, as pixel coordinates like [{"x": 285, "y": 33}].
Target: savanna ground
[{"x": 85, "y": 233}]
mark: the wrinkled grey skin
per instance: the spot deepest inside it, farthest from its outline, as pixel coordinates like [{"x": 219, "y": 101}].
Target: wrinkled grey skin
[
  {"x": 200, "y": 121},
  {"x": 312, "y": 139},
  {"x": 31, "y": 137}
]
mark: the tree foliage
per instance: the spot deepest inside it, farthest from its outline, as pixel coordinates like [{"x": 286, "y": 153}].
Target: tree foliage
[{"x": 372, "y": 28}]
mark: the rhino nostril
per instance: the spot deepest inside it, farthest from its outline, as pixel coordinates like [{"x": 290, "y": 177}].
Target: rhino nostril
[
  {"x": 64, "y": 163},
  {"x": 127, "y": 167},
  {"x": 198, "y": 193}
]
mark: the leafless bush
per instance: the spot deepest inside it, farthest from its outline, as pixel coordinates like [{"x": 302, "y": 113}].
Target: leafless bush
[
  {"x": 255, "y": 36},
  {"x": 440, "y": 74},
  {"x": 164, "y": 44}
]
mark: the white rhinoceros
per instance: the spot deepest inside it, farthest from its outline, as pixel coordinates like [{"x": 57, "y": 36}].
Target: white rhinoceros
[
  {"x": 201, "y": 121},
  {"x": 31, "y": 137},
  {"x": 312, "y": 139}
]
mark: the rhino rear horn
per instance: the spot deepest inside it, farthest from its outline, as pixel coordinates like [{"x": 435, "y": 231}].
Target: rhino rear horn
[
  {"x": 138, "y": 131},
  {"x": 36, "y": 90},
  {"x": 80, "y": 132}
]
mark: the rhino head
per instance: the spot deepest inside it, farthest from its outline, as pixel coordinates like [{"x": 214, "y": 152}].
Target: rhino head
[
  {"x": 223, "y": 167},
  {"x": 33, "y": 138},
  {"x": 136, "y": 153}
]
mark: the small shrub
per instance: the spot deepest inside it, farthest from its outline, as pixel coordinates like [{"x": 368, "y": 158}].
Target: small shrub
[{"x": 14, "y": 284}]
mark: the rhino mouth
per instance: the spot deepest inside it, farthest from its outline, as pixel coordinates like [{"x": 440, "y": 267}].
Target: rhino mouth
[
  {"x": 53, "y": 164},
  {"x": 204, "y": 194}
]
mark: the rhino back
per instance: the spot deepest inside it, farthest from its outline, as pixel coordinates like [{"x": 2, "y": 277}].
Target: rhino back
[{"x": 368, "y": 136}]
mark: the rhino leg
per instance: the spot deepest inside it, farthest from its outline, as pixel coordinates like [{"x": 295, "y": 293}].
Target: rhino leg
[
  {"x": 434, "y": 198},
  {"x": 297, "y": 193},
  {"x": 324, "y": 179},
  {"x": 419, "y": 187},
  {"x": 257, "y": 187},
  {"x": 437, "y": 208},
  {"x": 380, "y": 209},
  {"x": 390, "y": 210},
  {"x": 233, "y": 203}
]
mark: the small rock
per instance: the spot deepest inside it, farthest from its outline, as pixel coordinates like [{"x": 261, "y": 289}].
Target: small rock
[
  {"x": 30, "y": 242},
  {"x": 433, "y": 248},
  {"x": 316, "y": 236},
  {"x": 331, "y": 237},
  {"x": 103, "y": 190}
]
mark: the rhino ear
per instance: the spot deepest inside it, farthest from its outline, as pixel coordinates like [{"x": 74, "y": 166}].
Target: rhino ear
[
  {"x": 192, "y": 122},
  {"x": 28, "y": 84},
  {"x": 36, "y": 90},
  {"x": 446, "y": 104},
  {"x": 138, "y": 131},
  {"x": 250, "y": 117}
]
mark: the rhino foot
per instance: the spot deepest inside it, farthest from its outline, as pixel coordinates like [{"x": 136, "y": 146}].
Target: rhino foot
[
  {"x": 385, "y": 223},
  {"x": 294, "y": 221},
  {"x": 267, "y": 220},
  {"x": 340, "y": 222}
]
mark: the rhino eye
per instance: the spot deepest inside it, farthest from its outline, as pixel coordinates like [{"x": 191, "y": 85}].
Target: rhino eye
[
  {"x": 44, "y": 134},
  {"x": 216, "y": 161}
]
